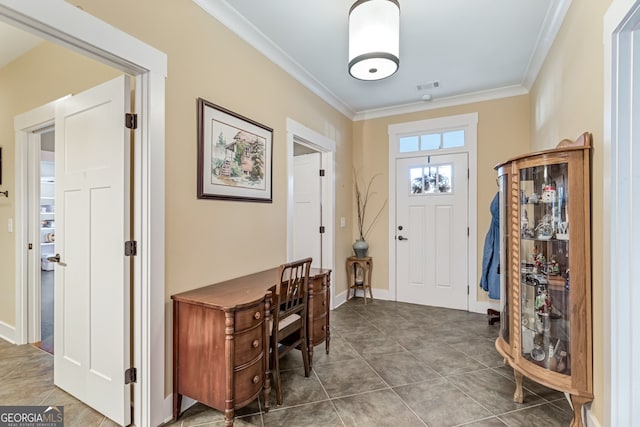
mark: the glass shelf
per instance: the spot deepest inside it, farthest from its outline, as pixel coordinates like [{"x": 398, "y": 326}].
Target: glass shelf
[{"x": 544, "y": 267}]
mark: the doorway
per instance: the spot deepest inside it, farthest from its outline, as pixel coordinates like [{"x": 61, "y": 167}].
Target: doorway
[
  {"x": 621, "y": 212},
  {"x": 68, "y": 26},
  {"x": 45, "y": 181},
  {"x": 320, "y": 150},
  {"x": 444, "y": 136},
  {"x": 79, "y": 209}
]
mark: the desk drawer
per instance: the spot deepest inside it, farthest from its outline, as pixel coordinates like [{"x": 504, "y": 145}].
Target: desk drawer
[
  {"x": 319, "y": 327},
  {"x": 248, "y": 381},
  {"x": 320, "y": 302},
  {"x": 248, "y": 346},
  {"x": 249, "y": 317},
  {"x": 317, "y": 285}
]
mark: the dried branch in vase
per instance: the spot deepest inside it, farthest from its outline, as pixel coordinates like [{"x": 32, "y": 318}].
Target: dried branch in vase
[{"x": 362, "y": 203}]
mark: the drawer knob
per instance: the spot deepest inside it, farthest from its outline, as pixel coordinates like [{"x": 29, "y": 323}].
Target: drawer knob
[
  {"x": 324, "y": 303},
  {"x": 256, "y": 379},
  {"x": 324, "y": 327},
  {"x": 257, "y": 315},
  {"x": 255, "y": 343}
]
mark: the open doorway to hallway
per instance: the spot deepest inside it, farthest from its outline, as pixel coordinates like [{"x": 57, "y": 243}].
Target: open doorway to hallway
[{"x": 45, "y": 176}]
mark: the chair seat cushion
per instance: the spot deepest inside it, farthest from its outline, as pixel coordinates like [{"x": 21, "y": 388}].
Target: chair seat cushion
[{"x": 284, "y": 322}]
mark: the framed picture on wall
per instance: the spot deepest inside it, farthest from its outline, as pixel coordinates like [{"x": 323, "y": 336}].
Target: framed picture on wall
[{"x": 234, "y": 156}]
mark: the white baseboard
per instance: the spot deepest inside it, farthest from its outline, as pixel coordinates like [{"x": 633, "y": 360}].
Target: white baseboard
[
  {"x": 187, "y": 403},
  {"x": 8, "y": 332},
  {"x": 482, "y": 306},
  {"x": 383, "y": 294},
  {"x": 338, "y": 300},
  {"x": 590, "y": 420}
]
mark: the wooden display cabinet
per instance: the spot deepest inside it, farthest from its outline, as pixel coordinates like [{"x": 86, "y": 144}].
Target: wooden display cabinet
[{"x": 546, "y": 270}]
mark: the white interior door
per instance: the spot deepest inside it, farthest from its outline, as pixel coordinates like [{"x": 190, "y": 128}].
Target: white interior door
[
  {"x": 432, "y": 230},
  {"x": 92, "y": 322},
  {"x": 307, "y": 194}
]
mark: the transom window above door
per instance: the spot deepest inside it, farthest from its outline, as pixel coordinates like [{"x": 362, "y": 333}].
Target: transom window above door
[{"x": 432, "y": 141}]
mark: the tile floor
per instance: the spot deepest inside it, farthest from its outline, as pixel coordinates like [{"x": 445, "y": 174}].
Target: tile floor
[
  {"x": 46, "y": 310},
  {"x": 391, "y": 364},
  {"x": 395, "y": 364},
  {"x": 26, "y": 378}
]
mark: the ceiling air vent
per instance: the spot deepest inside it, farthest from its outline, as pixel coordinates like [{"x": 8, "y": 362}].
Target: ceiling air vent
[{"x": 430, "y": 85}]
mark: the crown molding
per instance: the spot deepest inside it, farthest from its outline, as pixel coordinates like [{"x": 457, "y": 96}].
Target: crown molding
[
  {"x": 230, "y": 18},
  {"x": 236, "y": 23},
  {"x": 437, "y": 103},
  {"x": 550, "y": 28}
]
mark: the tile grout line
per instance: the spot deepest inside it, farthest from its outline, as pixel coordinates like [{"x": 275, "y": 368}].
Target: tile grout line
[
  {"x": 470, "y": 397},
  {"x": 333, "y": 405},
  {"x": 391, "y": 388}
]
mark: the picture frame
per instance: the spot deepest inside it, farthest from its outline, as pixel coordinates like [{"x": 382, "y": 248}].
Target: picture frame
[{"x": 234, "y": 156}]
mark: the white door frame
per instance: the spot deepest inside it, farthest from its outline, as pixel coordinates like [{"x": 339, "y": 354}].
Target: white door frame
[
  {"x": 69, "y": 26},
  {"x": 621, "y": 233},
  {"x": 468, "y": 122},
  {"x": 298, "y": 133}
]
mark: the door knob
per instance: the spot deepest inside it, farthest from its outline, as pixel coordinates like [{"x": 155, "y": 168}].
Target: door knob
[
  {"x": 402, "y": 238},
  {"x": 56, "y": 258}
]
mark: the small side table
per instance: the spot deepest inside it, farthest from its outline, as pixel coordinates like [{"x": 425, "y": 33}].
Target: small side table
[{"x": 359, "y": 275}]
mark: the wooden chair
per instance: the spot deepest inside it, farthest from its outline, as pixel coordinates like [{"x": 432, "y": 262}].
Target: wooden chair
[{"x": 289, "y": 329}]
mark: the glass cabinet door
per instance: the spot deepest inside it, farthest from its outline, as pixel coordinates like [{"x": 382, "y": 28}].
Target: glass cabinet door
[{"x": 544, "y": 266}]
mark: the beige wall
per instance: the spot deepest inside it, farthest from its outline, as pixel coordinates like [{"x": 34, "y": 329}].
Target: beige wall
[
  {"x": 567, "y": 100},
  {"x": 44, "y": 74},
  {"x": 503, "y": 131},
  {"x": 208, "y": 241}
]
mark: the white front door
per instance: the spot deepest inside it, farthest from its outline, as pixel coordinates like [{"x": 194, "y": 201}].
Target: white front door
[
  {"x": 92, "y": 318},
  {"x": 307, "y": 193},
  {"x": 432, "y": 230}
]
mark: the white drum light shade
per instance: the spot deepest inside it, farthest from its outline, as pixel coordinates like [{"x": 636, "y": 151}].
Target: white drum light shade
[{"x": 374, "y": 40}]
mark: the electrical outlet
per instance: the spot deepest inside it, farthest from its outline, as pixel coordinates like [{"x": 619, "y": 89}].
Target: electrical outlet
[{"x": 10, "y": 225}]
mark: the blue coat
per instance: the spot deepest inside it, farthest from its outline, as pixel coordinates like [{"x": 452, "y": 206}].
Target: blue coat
[{"x": 490, "y": 280}]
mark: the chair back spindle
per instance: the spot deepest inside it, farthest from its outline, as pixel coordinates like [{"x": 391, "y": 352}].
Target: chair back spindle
[{"x": 290, "y": 317}]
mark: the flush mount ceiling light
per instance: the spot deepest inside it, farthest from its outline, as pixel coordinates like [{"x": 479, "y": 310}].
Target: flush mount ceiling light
[{"x": 374, "y": 41}]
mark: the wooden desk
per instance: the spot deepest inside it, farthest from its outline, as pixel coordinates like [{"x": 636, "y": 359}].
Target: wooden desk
[
  {"x": 318, "y": 311},
  {"x": 221, "y": 339}
]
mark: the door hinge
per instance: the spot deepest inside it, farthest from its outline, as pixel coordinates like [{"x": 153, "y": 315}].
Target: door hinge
[
  {"x": 130, "y": 376},
  {"x": 467, "y": 231},
  {"x": 30, "y": 246},
  {"x": 468, "y": 174},
  {"x": 130, "y": 248},
  {"x": 467, "y": 289},
  {"x": 131, "y": 121},
  {"x": 321, "y": 172},
  {"x": 322, "y": 229}
]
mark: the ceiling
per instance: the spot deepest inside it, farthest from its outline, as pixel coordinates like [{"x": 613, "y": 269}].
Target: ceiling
[{"x": 474, "y": 49}]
